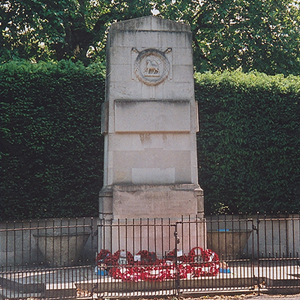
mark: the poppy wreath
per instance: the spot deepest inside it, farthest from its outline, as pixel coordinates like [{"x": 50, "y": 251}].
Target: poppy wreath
[
  {"x": 198, "y": 263},
  {"x": 207, "y": 255},
  {"x": 209, "y": 265},
  {"x": 148, "y": 258},
  {"x": 104, "y": 256},
  {"x": 145, "y": 273},
  {"x": 171, "y": 256},
  {"x": 114, "y": 261},
  {"x": 208, "y": 269}
]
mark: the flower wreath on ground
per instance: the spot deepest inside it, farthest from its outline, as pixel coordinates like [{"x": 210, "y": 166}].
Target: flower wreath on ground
[{"x": 121, "y": 265}]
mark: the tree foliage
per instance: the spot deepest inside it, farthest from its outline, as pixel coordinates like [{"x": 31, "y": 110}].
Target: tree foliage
[
  {"x": 61, "y": 29},
  {"x": 260, "y": 35}
]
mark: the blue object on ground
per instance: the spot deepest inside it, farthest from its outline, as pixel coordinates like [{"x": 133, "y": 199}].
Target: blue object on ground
[
  {"x": 224, "y": 270},
  {"x": 101, "y": 272}
]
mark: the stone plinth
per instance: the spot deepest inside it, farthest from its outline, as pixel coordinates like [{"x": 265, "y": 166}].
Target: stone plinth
[
  {"x": 151, "y": 201},
  {"x": 149, "y": 122}
]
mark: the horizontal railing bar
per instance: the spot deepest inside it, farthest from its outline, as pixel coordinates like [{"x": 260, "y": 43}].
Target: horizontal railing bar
[
  {"x": 41, "y": 269},
  {"x": 278, "y": 258},
  {"x": 278, "y": 219},
  {"x": 41, "y": 228}
]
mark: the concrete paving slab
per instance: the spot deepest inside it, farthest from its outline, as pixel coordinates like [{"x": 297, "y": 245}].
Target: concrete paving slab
[{"x": 83, "y": 281}]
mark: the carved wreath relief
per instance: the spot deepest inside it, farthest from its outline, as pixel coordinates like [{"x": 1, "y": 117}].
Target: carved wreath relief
[{"x": 152, "y": 66}]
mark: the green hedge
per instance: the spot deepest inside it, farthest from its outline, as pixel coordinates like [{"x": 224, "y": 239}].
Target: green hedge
[
  {"x": 249, "y": 142},
  {"x": 51, "y": 148}
]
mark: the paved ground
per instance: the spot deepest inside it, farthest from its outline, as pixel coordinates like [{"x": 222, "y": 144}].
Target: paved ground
[
  {"x": 253, "y": 296},
  {"x": 83, "y": 280},
  {"x": 274, "y": 297},
  {"x": 248, "y": 297}
]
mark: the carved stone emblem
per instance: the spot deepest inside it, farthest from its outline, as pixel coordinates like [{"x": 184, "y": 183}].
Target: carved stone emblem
[{"x": 152, "y": 66}]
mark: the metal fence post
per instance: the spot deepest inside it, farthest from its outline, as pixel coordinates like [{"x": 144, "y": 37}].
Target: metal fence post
[
  {"x": 176, "y": 267},
  {"x": 177, "y": 272},
  {"x": 258, "y": 250}
]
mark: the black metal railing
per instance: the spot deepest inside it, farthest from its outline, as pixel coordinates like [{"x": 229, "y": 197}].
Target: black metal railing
[{"x": 89, "y": 257}]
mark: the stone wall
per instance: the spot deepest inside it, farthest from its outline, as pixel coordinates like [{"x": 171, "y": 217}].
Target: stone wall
[
  {"x": 276, "y": 236},
  {"x": 19, "y": 244}
]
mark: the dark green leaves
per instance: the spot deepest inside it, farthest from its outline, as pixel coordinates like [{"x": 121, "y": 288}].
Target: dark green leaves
[
  {"x": 51, "y": 148},
  {"x": 249, "y": 142}
]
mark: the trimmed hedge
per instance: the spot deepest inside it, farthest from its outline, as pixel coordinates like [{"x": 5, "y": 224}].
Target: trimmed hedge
[
  {"x": 249, "y": 142},
  {"x": 52, "y": 149}
]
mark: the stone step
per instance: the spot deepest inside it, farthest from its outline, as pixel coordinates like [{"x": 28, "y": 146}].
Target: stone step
[
  {"x": 12, "y": 294},
  {"x": 22, "y": 287},
  {"x": 194, "y": 283},
  {"x": 11, "y": 289}
]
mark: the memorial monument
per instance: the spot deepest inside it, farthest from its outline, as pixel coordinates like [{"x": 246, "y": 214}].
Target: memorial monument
[{"x": 149, "y": 123}]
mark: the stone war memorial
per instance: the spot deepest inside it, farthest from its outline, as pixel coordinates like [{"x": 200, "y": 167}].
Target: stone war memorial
[{"x": 149, "y": 122}]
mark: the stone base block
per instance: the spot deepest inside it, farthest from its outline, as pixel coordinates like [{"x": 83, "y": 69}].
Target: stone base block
[
  {"x": 146, "y": 217},
  {"x": 151, "y": 201},
  {"x": 154, "y": 235}
]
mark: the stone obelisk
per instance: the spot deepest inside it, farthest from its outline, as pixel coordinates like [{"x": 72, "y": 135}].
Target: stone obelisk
[{"x": 149, "y": 122}]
